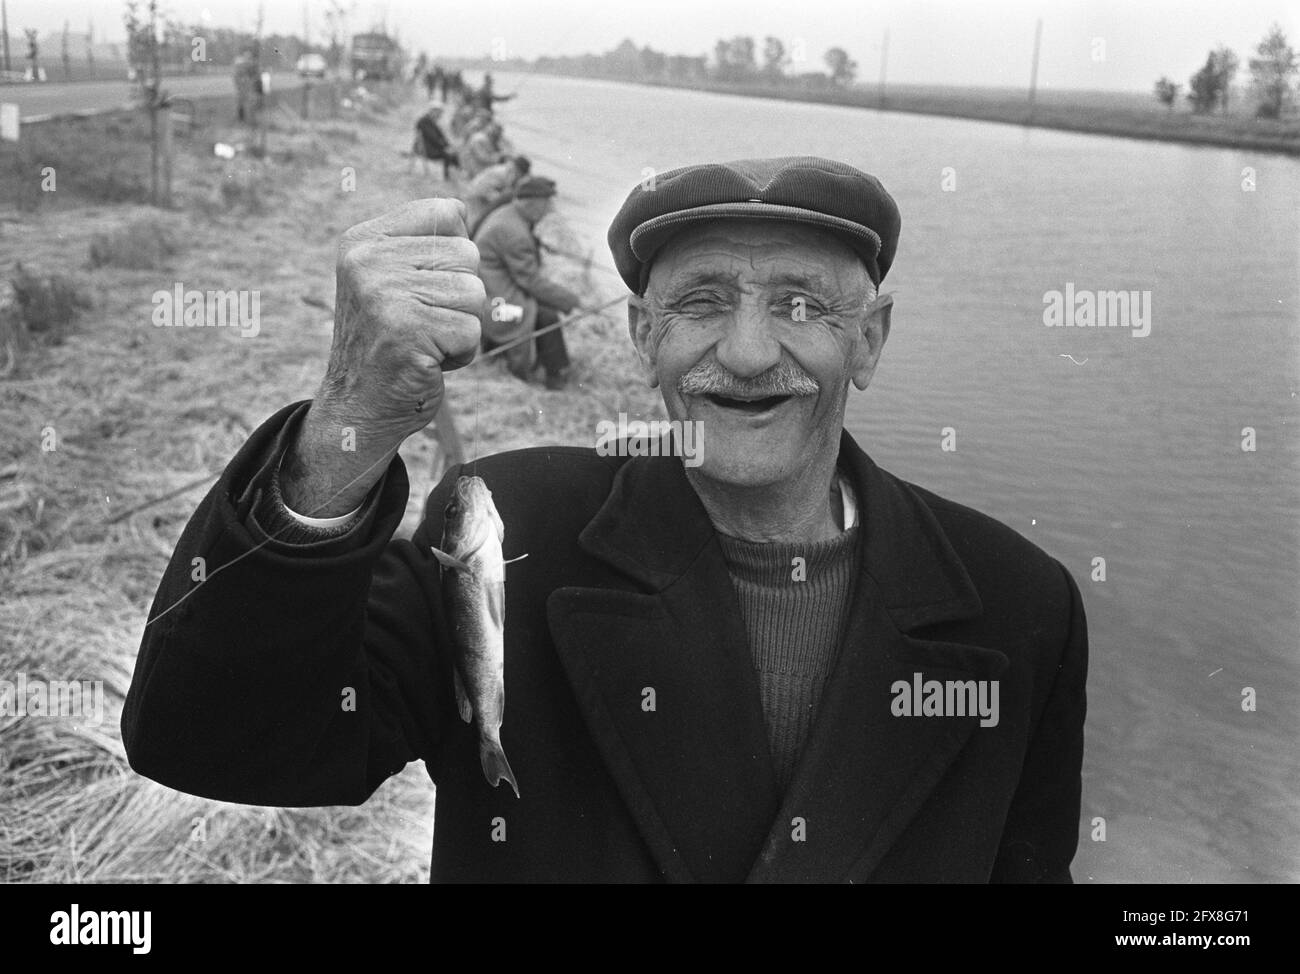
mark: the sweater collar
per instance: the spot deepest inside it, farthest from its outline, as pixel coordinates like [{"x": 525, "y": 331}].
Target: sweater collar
[{"x": 653, "y": 526}]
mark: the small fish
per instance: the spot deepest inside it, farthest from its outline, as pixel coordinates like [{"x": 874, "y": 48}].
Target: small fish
[{"x": 474, "y": 592}]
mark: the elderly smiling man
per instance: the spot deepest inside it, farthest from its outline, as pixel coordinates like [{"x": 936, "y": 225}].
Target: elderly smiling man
[{"x": 782, "y": 664}]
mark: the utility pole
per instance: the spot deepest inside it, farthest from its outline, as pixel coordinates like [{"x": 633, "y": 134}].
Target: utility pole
[
  {"x": 304, "y": 48},
  {"x": 884, "y": 63},
  {"x": 155, "y": 102},
  {"x": 4, "y": 30},
  {"x": 1033, "y": 73},
  {"x": 261, "y": 80}
]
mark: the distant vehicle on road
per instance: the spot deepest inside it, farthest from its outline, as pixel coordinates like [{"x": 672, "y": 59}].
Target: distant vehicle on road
[
  {"x": 311, "y": 66},
  {"x": 375, "y": 57}
]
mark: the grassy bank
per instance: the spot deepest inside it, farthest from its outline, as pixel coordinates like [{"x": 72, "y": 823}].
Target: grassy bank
[
  {"x": 1118, "y": 114},
  {"x": 102, "y": 411}
]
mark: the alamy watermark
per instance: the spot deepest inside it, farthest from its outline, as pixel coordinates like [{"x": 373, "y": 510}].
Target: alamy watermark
[
  {"x": 1098, "y": 309},
  {"x": 641, "y": 439},
  {"x": 131, "y": 928},
  {"x": 181, "y": 308},
  {"x": 22, "y": 697},
  {"x": 946, "y": 698}
]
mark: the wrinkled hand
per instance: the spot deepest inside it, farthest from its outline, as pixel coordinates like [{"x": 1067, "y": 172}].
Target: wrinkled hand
[{"x": 407, "y": 308}]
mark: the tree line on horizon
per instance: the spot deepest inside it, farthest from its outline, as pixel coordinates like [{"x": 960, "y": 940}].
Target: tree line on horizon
[
  {"x": 1273, "y": 73},
  {"x": 735, "y": 60}
]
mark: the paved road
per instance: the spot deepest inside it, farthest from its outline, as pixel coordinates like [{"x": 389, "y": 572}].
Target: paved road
[{"x": 56, "y": 99}]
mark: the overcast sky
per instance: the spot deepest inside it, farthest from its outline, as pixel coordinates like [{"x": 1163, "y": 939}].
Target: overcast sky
[{"x": 930, "y": 41}]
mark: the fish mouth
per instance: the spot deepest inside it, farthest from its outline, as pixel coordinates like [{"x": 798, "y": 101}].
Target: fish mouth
[
  {"x": 470, "y": 519},
  {"x": 470, "y": 490}
]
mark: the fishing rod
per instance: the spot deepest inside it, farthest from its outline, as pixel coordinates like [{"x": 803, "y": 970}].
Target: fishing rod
[
  {"x": 568, "y": 319},
  {"x": 587, "y": 260},
  {"x": 150, "y": 502}
]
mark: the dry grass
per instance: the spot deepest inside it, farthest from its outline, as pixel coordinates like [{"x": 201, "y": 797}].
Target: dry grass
[
  {"x": 136, "y": 411},
  {"x": 45, "y": 306},
  {"x": 103, "y": 159},
  {"x": 144, "y": 244}
]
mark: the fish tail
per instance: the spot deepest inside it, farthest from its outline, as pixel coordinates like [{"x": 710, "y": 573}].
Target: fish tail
[{"x": 495, "y": 765}]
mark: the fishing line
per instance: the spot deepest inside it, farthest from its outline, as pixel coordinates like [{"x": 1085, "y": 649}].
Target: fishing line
[
  {"x": 478, "y": 405},
  {"x": 568, "y": 319}
]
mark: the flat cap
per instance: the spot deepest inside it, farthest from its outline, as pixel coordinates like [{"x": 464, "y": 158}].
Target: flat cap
[
  {"x": 799, "y": 189},
  {"x": 534, "y": 187}
]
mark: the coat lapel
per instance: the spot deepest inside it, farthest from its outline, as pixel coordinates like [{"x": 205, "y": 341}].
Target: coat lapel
[
  {"x": 695, "y": 771},
  {"x": 865, "y": 773}
]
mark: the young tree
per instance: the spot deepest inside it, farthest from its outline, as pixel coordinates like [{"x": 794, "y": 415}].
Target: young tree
[
  {"x": 843, "y": 68},
  {"x": 144, "y": 56},
  {"x": 1226, "y": 64},
  {"x": 742, "y": 57},
  {"x": 1167, "y": 92},
  {"x": 774, "y": 58},
  {"x": 1272, "y": 73},
  {"x": 735, "y": 59},
  {"x": 1203, "y": 87},
  {"x": 722, "y": 54},
  {"x": 141, "y": 42},
  {"x": 33, "y": 53}
]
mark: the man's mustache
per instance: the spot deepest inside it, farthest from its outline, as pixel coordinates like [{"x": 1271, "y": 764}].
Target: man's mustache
[{"x": 783, "y": 379}]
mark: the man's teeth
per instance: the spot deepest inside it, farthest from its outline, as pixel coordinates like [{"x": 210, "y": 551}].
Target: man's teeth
[{"x": 759, "y": 403}]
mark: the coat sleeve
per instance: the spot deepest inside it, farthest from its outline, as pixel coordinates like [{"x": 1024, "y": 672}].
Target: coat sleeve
[
  {"x": 1041, "y": 833},
  {"x": 519, "y": 254},
  {"x": 288, "y": 674}
]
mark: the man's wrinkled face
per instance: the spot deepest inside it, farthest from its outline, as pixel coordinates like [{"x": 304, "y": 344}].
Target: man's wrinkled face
[{"x": 755, "y": 329}]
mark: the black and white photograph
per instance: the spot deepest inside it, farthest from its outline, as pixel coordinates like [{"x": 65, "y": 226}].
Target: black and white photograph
[{"x": 614, "y": 443}]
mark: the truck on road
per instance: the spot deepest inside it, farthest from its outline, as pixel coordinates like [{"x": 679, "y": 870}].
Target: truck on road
[{"x": 375, "y": 57}]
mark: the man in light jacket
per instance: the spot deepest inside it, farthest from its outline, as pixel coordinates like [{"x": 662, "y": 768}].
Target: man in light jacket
[{"x": 521, "y": 297}]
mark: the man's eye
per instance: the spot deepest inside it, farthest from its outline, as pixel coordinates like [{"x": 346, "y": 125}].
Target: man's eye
[{"x": 702, "y": 305}]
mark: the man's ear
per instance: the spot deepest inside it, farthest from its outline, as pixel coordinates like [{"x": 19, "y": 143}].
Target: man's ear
[
  {"x": 639, "y": 320},
  {"x": 875, "y": 331}
]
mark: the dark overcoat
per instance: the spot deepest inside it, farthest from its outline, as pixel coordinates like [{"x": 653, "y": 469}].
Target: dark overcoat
[{"x": 237, "y": 691}]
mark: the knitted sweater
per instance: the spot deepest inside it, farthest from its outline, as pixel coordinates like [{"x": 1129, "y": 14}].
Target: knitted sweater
[{"x": 795, "y": 614}]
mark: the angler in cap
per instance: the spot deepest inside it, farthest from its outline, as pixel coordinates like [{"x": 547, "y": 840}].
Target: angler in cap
[
  {"x": 493, "y": 187},
  {"x": 701, "y": 663},
  {"x": 521, "y": 296}
]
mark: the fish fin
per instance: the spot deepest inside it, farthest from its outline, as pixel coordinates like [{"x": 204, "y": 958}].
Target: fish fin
[
  {"x": 463, "y": 705},
  {"x": 495, "y": 602},
  {"x": 447, "y": 561},
  {"x": 495, "y": 765},
  {"x": 513, "y": 560}
]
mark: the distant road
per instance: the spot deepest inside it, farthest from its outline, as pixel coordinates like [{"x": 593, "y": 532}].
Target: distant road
[{"x": 83, "y": 96}]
